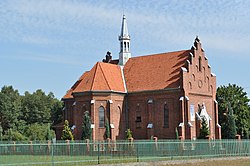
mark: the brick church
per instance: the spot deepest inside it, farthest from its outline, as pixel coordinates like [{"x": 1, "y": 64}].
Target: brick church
[{"x": 153, "y": 95}]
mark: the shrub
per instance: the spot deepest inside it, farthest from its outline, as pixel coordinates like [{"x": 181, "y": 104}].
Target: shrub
[
  {"x": 129, "y": 134},
  {"x": 204, "y": 131},
  {"x": 66, "y": 133}
]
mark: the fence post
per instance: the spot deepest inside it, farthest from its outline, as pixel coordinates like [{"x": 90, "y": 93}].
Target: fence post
[
  {"x": 31, "y": 148},
  {"x": 52, "y": 152},
  {"x": 14, "y": 147},
  {"x": 68, "y": 147},
  {"x": 98, "y": 153},
  {"x": 137, "y": 152}
]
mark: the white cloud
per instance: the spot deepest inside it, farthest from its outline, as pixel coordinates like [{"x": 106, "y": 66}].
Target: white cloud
[{"x": 67, "y": 24}]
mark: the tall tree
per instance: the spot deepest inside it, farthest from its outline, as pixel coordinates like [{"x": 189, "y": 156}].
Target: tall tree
[
  {"x": 56, "y": 111},
  {"x": 86, "y": 126},
  {"x": 35, "y": 108},
  {"x": 22, "y": 116},
  {"x": 66, "y": 133},
  {"x": 1, "y": 132},
  {"x": 229, "y": 131},
  {"x": 237, "y": 98},
  {"x": 10, "y": 108},
  {"x": 41, "y": 108},
  {"x": 107, "y": 129}
]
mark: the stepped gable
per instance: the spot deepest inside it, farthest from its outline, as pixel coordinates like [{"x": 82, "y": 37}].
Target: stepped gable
[{"x": 155, "y": 72}]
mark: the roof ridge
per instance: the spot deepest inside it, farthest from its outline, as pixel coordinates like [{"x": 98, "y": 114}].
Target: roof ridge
[
  {"x": 92, "y": 84},
  {"x": 123, "y": 79},
  {"x": 159, "y": 54},
  {"x": 105, "y": 77}
]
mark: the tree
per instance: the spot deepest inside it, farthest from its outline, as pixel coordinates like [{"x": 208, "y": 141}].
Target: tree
[
  {"x": 229, "y": 131},
  {"x": 50, "y": 134},
  {"x": 27, "y": 114},
  {"x": 1, "y": 132},
  {"x": 107, "y": 129},
  {"x": 66, "y": 133},
  {"x": 204, "y": 131},
  {"x": 36, "y": 107},
  {"x": 56, "y": 111},
  {"x": 14, "y": 135},
  {"x": 36, "y": 131},
  {"x": 86, "y": 126},
  {"x": 41, "y": 108},
  {"x": 10, "y": 108},
  {"x": 238, "y": 100}
]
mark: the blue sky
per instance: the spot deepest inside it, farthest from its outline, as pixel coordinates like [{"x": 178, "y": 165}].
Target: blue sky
[{"x": 48, "y": 44}]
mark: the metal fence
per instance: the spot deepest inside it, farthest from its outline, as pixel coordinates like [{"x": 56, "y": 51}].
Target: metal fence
[{"x": 82, "y": 152}]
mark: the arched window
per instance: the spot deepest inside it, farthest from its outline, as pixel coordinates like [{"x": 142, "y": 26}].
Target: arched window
[
  {"x": 204, "y": 71},
  {"x": 166, "y": 116},
  {"x": 119, "y": 112},
  {"x": 128, "y": 45},
  {"x": 193, "y": 77},
  {"x": 101, "y": 117},
  {"x": 138, "y": 116},
  {"x": 190, "y": 85},
  {"x": 199, "y": 63},
  {"x": 208, "y": 84}
]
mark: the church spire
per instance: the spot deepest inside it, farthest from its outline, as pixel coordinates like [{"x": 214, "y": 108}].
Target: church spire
[
  {"x": 124, "y": 29},
  {"x": 124, "y": 39}
]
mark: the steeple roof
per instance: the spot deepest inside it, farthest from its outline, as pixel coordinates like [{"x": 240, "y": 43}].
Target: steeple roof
[{"x": 124, "y": 29}]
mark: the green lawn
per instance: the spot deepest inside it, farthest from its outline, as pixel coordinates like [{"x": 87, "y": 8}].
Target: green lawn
[
  {"x": 60, "y": 160},
  {"x": 89, "y": 160}
]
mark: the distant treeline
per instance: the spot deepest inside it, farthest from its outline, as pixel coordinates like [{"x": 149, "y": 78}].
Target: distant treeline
[{"x": 29, "y": 116}]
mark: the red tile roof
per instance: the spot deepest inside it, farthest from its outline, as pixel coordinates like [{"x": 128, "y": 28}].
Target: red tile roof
[
  {"x": 154, "y": 72},
  {"x": 69, "y": 92},
  {"x": 102, "y": 77}
]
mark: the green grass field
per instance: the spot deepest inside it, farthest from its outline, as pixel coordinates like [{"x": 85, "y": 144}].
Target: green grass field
[
  {"x": 211, "y": 162},
  {"x": 89, "y": 160},
  {"x": 61, "y": 160}
]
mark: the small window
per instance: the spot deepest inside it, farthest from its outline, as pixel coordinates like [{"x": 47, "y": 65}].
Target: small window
[
  {"x": 204, "y": 72},
  {"x": 138, "y": 122},
  {"x": 166, "y": 116},
  {"x": 101, "y": 117},
  {"x": 193, "y": 77},
  {"x": 199, "y": 63},
  {"x": 190, "y": 85},
  {"x": 138, "y": 119}
]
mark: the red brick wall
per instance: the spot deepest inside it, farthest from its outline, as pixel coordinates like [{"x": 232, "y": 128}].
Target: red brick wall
[
  {"x": 160, "y": 98},
  {"x": 200, "y": 86},
  {"x": 74, "y": 113}
]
